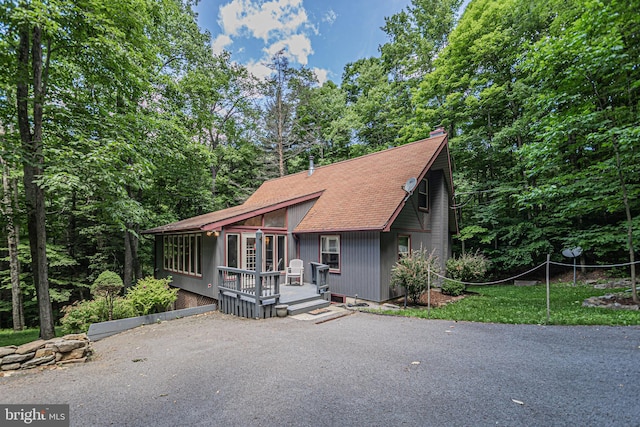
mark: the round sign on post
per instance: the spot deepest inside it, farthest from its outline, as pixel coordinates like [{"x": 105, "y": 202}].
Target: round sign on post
[{"x": 573, "y": 253}]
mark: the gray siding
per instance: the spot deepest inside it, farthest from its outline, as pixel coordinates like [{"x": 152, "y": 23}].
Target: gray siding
[
  {"x": 205, "y": 285},
  {"x": 295, "y": 214},
  {"x": 388, "y": 257},
  {"x": 412, "y": 218},
  {"x": 360, "y": 261},
  {"x": 428, "y": 230},
  {"x": 440, "y": 212}
]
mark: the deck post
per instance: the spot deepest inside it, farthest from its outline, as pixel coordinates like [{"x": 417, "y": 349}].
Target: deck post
[{"x": 258, "y": 274}]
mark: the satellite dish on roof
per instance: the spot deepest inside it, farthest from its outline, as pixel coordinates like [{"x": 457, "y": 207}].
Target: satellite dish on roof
[
  {"x": 410, "y": 185},
  {"x": 573, "y": 252}
]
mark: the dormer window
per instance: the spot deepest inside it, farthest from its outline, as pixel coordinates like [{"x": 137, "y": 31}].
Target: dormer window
[{"x": 423, "y": 195}]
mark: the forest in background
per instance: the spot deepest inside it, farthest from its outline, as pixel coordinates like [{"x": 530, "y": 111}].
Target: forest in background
[{"x": 116, "y": 117}]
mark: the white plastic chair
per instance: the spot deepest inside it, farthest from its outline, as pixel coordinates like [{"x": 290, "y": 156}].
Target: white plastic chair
[{"x": 295, "y": 270}]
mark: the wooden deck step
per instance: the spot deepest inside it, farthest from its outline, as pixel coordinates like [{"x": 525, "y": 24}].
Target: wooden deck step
[{"x": 307, "y": 306}]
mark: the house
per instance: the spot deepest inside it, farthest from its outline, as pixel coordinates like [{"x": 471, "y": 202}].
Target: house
[{"x": 357, "y": 216}]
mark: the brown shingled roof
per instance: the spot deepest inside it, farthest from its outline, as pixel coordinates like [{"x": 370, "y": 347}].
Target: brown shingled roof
[{"x": 365, "y": 193}]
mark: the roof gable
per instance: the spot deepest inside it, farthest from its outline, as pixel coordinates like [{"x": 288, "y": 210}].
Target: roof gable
[{"x": 364, "y": 193}]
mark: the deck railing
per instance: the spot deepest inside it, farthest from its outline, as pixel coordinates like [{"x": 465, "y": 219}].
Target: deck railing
[
  {"x": 319, "y": 273},
  {"x": 255, "y": 294},
  {"x": 248, "y": 293}
]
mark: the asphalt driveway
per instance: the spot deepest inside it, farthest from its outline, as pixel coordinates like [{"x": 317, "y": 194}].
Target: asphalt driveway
[{"x": 361, "y": 369}]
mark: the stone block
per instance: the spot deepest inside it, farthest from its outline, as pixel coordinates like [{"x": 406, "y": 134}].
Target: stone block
[
  {"x": 30, "y": 347},
  {"x": 38, "y": 361},
  {"x": 76, "y": 353},
  {"x": 43, "y": 352},
  {"x": 82, "y": 360},
  {"x": 68, "y": 345},
  {"x": 5, "y": 351},
  {"x": 10, "y": 367},
  {"x": 76, "y": 337},
  {"x": 17, "y": 358}
]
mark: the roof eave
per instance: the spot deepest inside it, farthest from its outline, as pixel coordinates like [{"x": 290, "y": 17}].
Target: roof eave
[
  {"x": 424, "y": 172},
  {"x": 338, "y": 230}
]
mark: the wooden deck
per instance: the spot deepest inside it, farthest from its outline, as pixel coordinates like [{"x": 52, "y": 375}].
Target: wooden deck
[
  {"x": 260, "y": 295},
  {"x": 237, "y": 293}
]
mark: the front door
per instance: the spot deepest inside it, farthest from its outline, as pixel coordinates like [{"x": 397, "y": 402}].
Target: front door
[{"x": 248, "y": 251}]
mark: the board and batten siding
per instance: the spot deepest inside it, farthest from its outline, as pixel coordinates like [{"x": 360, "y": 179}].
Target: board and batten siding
[
  {"x": 359, "y": 263},
  {"x": 440, "y": 213},
  {"x": 388, "y": 258},
  {"x": 204, "y": 285},
  {"x": 295, "y": 214}
]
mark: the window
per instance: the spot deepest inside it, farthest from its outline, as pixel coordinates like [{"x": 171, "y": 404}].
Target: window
[
  {"x": 275, "y": 219},
  {"x": 233, "y": 250},
  {"x": 281, "y": 251},
  {"x": 330, "y": 251},
  {"x": 404, "y": 246},
  {"x": 423, "y": 195},
  {"x": 182, "y": 254},
  {"x": 268, "y": 252}
]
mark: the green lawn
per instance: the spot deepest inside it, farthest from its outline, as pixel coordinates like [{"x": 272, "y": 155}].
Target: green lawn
[
  {"x": 11, "y": 337},
  {"x": 528, "y": 305}
]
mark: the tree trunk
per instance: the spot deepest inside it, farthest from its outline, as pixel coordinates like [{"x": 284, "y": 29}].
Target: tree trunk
[
  {"x": 627, "y": 208},
  {"x": 128, "y": 261},
  {"x": 132, "y": 267},
  {"x": 214, "y": 140},
  {"x": 33, "y": 165},
  {"x": 137, "y": 266},
  {"x": 280, "y": 132},
  {"x": 13, "y": 238}
]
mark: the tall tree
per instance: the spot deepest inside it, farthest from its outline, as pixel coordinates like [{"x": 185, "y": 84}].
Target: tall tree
[
  {"x": 286, "y": 90},
  {"x": 477, "y": 92},
  {"x": 417, "y": 35},
  {"x": 327, "y": 126},
  {"x": 220, "y": 97},
  {"x": 373, "y": 103},
  {"x": 57, "y": 45},
  {"x": 9, "y": 163},
  {"x": 32, "y": 71},
  {"x": 586, "y": 155},
  {"x": 9, "y": 208}
]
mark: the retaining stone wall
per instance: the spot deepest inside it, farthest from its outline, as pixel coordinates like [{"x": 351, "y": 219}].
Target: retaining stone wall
[{"x": 73, "y": 348}]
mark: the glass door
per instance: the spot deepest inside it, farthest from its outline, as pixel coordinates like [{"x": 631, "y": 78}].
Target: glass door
[{"x": 248, "y": 251}]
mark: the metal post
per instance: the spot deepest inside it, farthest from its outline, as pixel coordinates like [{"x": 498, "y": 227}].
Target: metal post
[
  {"x": 258, "y": 274},
  {"x": 548, "y": 290},
  {"x": 574, "y": 270},
  {"x": 429, "y": 291}
]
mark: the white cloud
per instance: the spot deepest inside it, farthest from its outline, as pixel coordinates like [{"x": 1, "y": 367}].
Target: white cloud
[
  {"x": 263, "y": 20},
  {"x": 220, "y": 43},
  {"x": 321, "y": 74},
  {"x": 297, "y": 47},
  {"x": 259, "y": 69},
  {"x": 279, "y": 24},
  {"x": 330, "y": 17}
]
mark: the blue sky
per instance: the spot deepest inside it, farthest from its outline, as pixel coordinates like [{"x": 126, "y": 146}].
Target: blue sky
[{"x": 323, "y": 35}]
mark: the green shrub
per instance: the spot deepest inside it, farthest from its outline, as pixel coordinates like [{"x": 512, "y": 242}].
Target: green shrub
[
  {"x": 81, "y": 314},
  {"x": 467, "y": 267},
  {"x": 151, "y": 295},
  {"x": 107, "y": 285},
  {"x": 411, "y": 272},
  {"x": 449, "y": 287}
]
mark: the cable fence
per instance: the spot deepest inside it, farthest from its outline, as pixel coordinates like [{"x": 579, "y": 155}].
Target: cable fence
[{"x": 511, "y": 280}]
